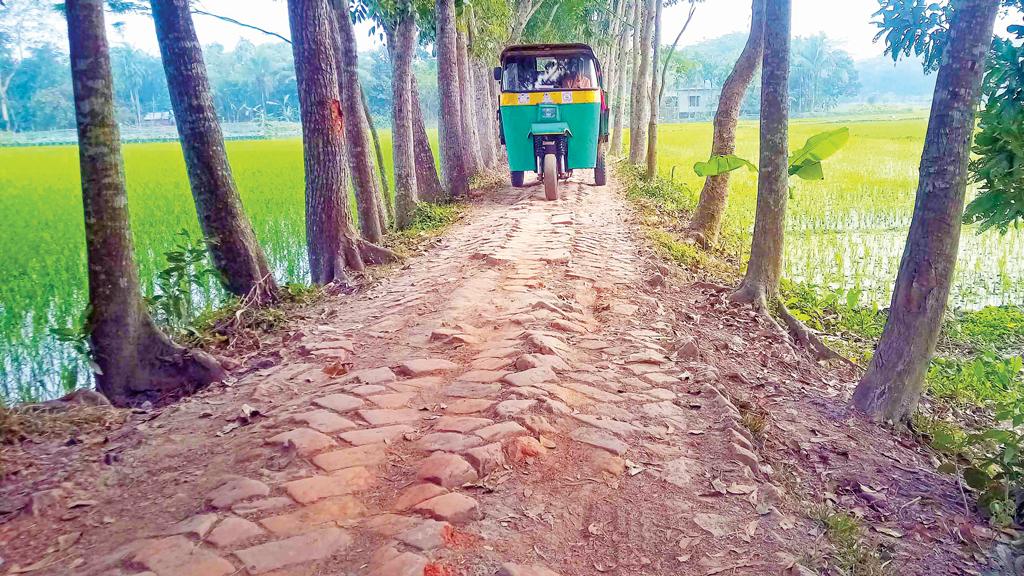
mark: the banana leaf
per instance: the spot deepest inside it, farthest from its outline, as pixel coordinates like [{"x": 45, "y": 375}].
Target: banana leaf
[
  {"x": 717, "y": 165},
  {"x": 805, "y": 163}
]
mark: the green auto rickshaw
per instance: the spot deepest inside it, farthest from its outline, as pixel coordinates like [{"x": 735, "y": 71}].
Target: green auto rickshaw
[{"x": 553, "y": 112}]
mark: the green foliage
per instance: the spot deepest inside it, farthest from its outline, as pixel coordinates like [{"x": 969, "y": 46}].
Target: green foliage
[
  {"x": 721, "y": 164},
  {"x": 76, "y": 338},
  {"x": 174, "y": 300},
  {"x": 914, "y": 27},
  {"x": 998, "y": 165},
  {"x": 991, "y": 328},
  {"x": 853, "y": 554},
  {"x": 428, "y": 216},
  {"x": 683, "y": 253},
  {"x": 805, "y": 163},
  {"x": 994, "y": 468},
  {"x": 980, "y": 381}
]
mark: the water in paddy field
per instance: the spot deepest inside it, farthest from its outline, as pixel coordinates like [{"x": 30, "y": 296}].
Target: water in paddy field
[{"x": 844, "y": 233}]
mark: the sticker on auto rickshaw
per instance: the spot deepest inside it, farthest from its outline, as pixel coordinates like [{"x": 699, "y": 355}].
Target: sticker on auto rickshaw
[{"x": 553, "y": 111}]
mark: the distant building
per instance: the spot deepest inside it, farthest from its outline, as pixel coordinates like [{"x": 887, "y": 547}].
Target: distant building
[
  {"x": 689, "y": 103},
  {"x": 158, "y": 119}
]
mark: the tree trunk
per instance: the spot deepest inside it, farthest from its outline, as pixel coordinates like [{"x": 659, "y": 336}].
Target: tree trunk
[
  {"x": 401, "y": 95},
  {"x": 892, "y": 386},
  {"x": 229, "y": 236},
  {"x": 484, "y": 115},
  {"x": 471, "y": 147},
  {"x": 452, "y": 141},
  {"x": 428, "y": 184},
  {"x": 330, "y": 237},
  {"x": 385, "y": 206},
  {"x": 652, "y": 129},
  {"x": 618, "y": 98},
  {"x": 358, "y": 146},
  {"x": 707, "y": 218},
  {"x": 641, "y": 82},
  {"x": 525, "y": 9},
  {"x": 137, "y": 362},
  {"x": 764, "y": 268}
]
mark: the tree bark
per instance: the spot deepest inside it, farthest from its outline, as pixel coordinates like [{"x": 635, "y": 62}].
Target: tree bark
[
  {"x": 401, "y": 95},
  {"x": 330, "y": 237},
  {"x": 892, "y": 386},
  {"x": 357, "y": 144},
  {"x": 428, "y": 184},
  {"x": 485, "y": 115},
  {"x": 706, "y": 225},
  {"x": 652, "y": 128},
  {"x": 471, "y": 147},
  {"x": 764, "y": 268},
  {"x": 641, "y": 81},
  {"x": 449, "y": 87},
  {"x": 618, "y": 98},
  {"x": 385, "y": 207},
  {"x": 229, "y": 236},
  {"x": 137, "y": 362}
]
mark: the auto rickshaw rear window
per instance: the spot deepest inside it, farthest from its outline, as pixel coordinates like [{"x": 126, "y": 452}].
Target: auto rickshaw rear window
[{"x": 538, "y": 73}]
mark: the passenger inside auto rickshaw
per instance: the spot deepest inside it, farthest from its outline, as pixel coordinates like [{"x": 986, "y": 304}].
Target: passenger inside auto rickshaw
[{"x": 536, "y": 73}]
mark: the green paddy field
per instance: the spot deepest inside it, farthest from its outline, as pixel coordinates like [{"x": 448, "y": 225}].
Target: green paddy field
[{"x": 845, "y": 232}]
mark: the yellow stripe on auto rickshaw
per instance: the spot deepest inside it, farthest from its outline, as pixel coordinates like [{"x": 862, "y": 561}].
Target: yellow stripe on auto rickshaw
[{"x": 553, "y": 97}]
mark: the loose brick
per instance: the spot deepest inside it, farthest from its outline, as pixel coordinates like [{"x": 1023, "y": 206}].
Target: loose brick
[
  {"x": 236, "y": 490},
  {"x": 178, "y": 555},
  {"x": 375, "y": 435},
  {"x": 415, "y": 494},
  {"x": 314, "y": 516},
  {"x": 298, "y": 549},
  {"x": 445, "y": 469},
  {"x": 232, "y": 531},
  {"x": 306, "y": 440},
  {"x": 340, "y": 483},
  {"x": 369, "y": 455},
  {"x": 452, "y": 507},
  {"x": 390, "y": 417},
  {"x": 339, "y": 402},
  {"x": 499, "y": 431},
  {"x": 425, "y": 366},
  {"x": 486, "y": 459}
]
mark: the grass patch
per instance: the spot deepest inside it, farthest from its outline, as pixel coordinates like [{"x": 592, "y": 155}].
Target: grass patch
[
  {"x": 429, "y": 221},
  {"x": 26, "y": 422},
  {"x": 852, "y": 553}
]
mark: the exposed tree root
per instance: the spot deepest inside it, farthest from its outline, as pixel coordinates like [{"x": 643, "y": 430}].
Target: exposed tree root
[
  {"x": 770, "y": 306},
  {"x": 374, "y": 254}
]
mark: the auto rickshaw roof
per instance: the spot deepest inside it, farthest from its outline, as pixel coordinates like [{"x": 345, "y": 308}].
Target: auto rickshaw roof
[{"x": 548, "y": 50}]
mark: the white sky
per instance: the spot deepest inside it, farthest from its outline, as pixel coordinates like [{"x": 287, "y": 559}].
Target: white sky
[{"x": 848, "y": 22}]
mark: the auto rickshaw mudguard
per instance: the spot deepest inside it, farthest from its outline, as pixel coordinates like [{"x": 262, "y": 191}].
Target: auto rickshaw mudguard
[{"x": 548, "y": 128}]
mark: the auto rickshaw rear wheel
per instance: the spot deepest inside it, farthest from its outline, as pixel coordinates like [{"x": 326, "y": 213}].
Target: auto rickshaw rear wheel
[
  {"x": 517, "y": 178},
  {"x": 600, "y": 169},
  {"x": 550, "y": 177}
]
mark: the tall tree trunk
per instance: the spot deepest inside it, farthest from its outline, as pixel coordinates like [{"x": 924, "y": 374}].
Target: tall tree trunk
[
  {"x": 357, "y": 143},
  {"x": 428, "y": 184},
  {"x": 618, "y": 99},
  {"x": 449, "y": 87},
  {"x": 330, "y": 238},
  {"x": 136, "y": 360},
  {"x": 471, "y": 147},
  {"x": 401, "y": 99},
  {"x": 485, "y": 115},
  {"x": 892, "y": 386},
  {"x": 641, "y": 82},
  {"x": 525, "y": 9},
  {"x": 229, "y": 236},
  {"x": 652, "y": 128},
  {"x": 385, "y": 205},
  {"x": 764, "y": 268},
  {"x": 707, "y": 219}
]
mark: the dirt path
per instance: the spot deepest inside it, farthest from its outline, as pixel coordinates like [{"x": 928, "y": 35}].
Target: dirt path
[{"x": 530, "y": 397}]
